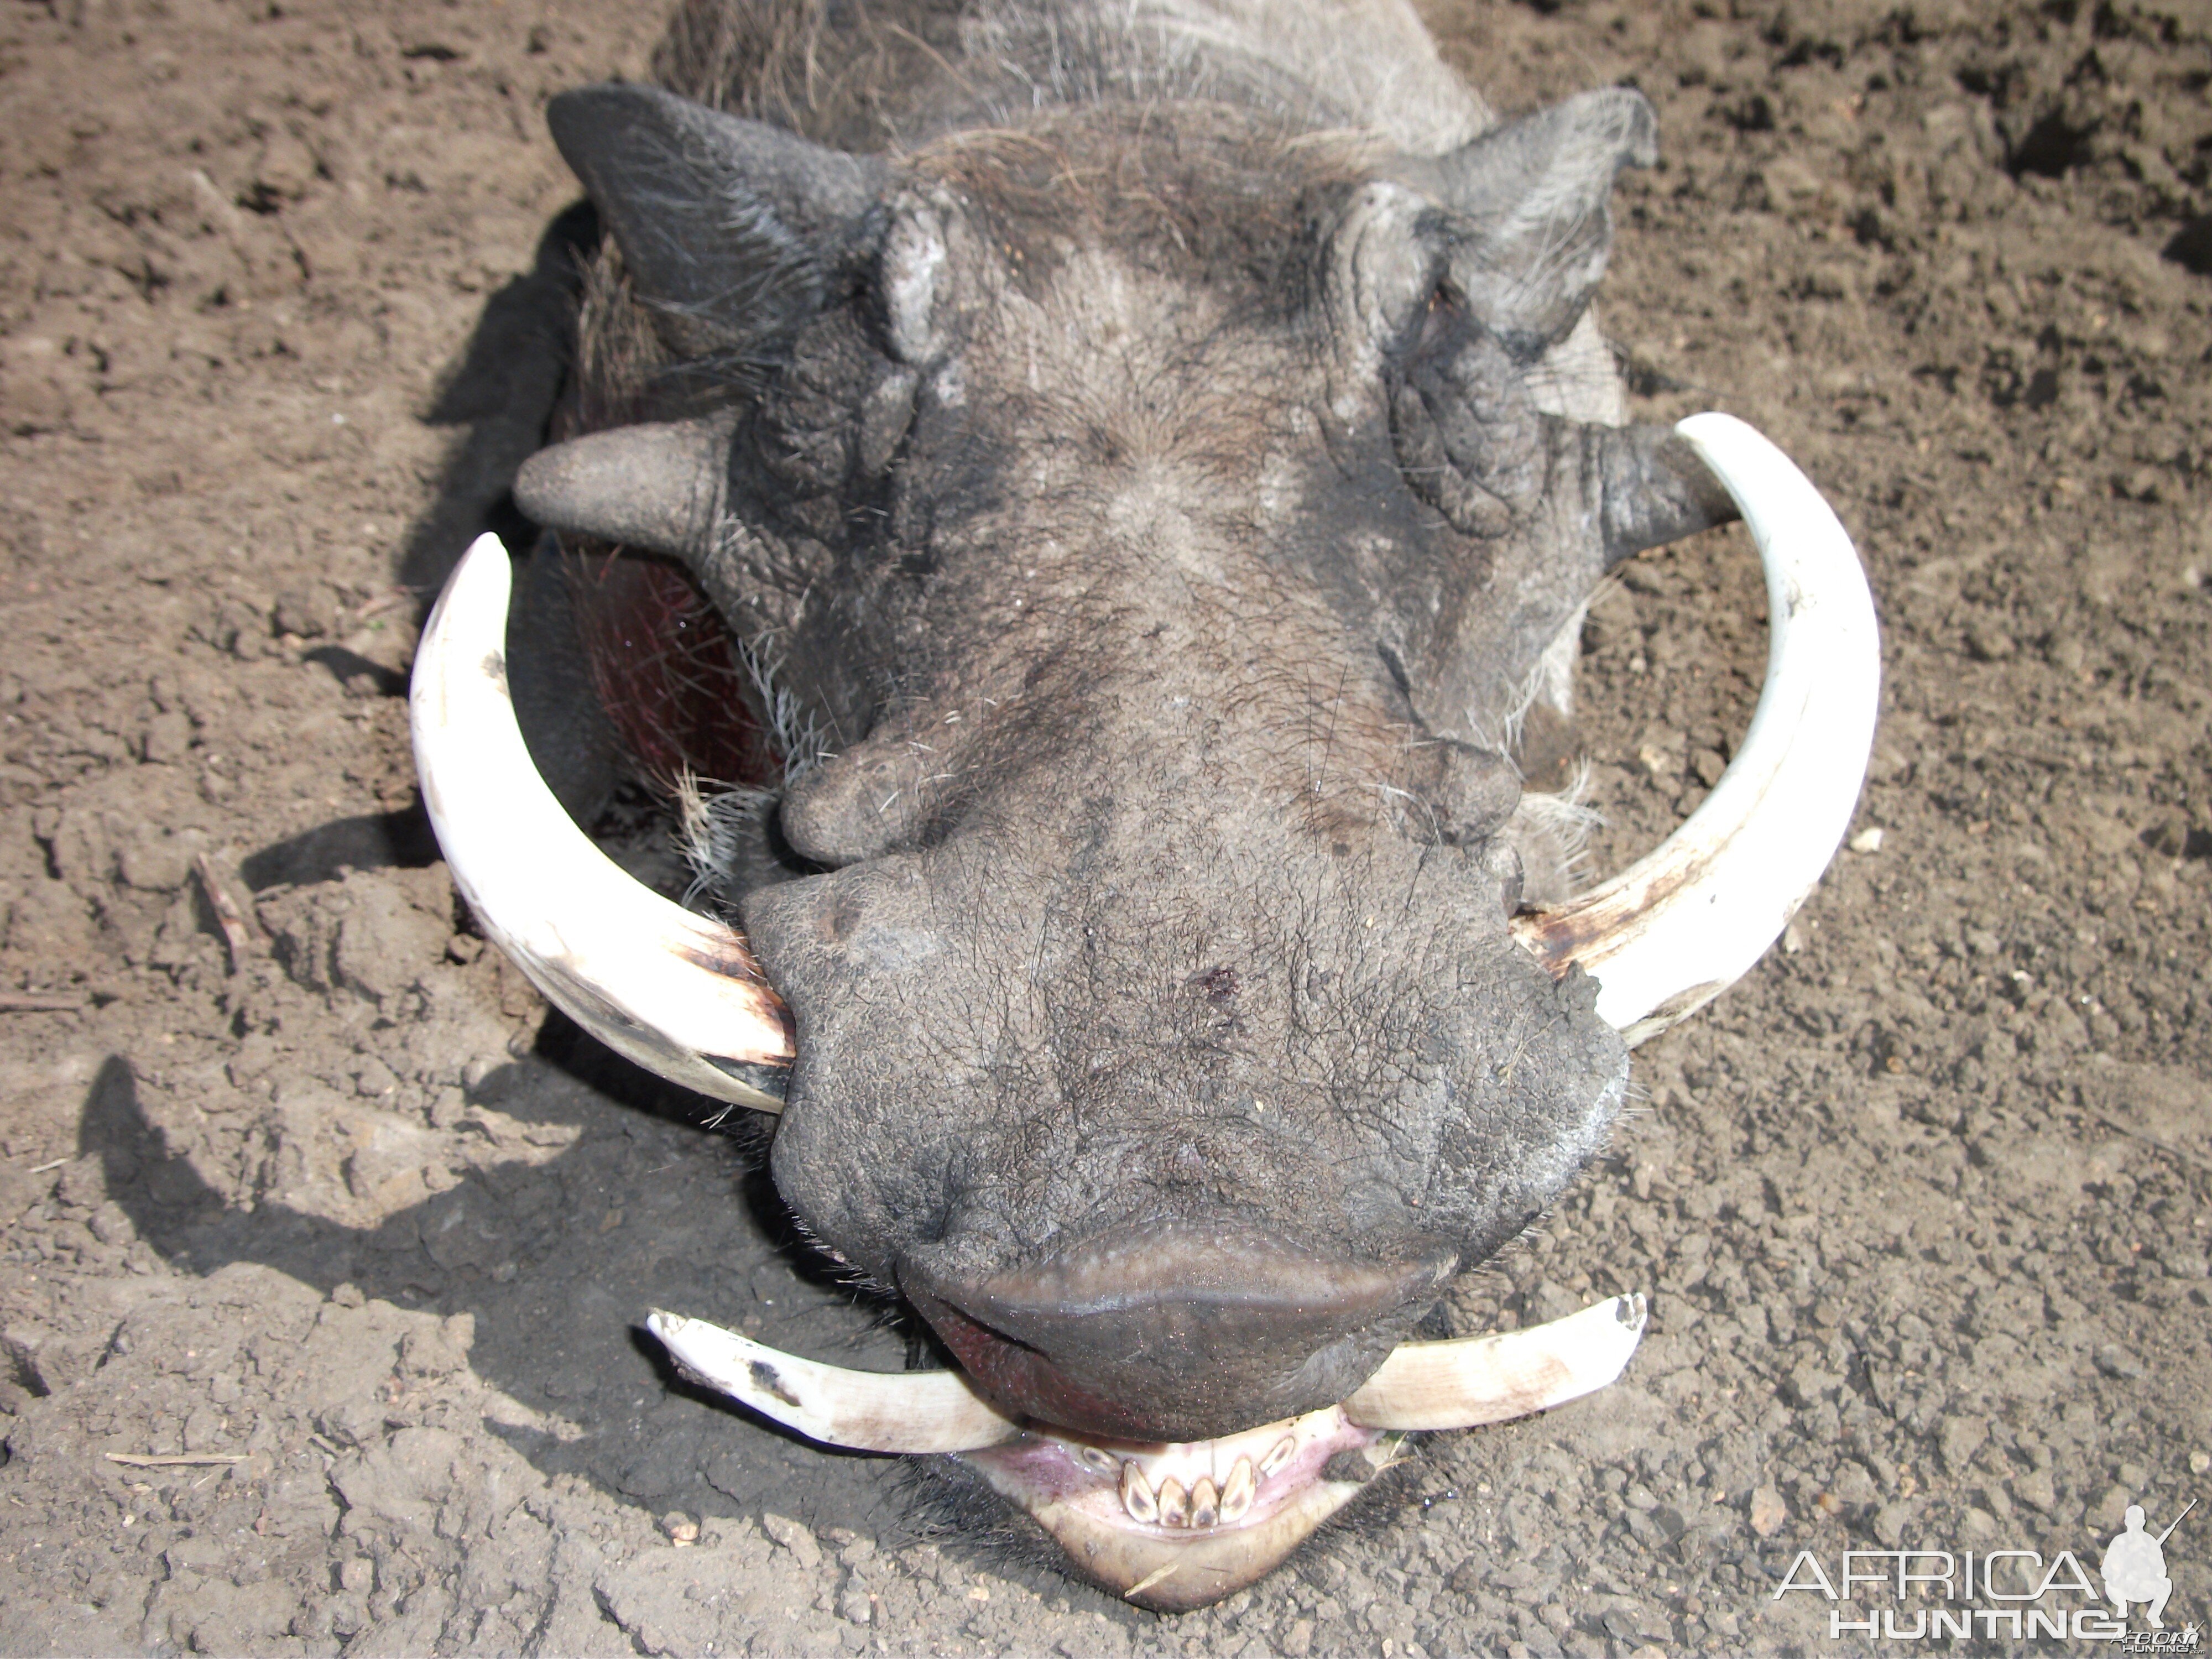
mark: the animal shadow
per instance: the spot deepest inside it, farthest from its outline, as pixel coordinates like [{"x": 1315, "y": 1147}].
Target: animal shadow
[
  {"x": 502, "y": 390},
  {"x": 574, "y": 1215}
]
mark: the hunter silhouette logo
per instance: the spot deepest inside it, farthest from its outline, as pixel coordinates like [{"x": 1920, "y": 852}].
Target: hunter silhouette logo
[{"x": 2133, "y": 1567}]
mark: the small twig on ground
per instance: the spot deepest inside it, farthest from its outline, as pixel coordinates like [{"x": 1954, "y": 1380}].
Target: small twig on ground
[
  {"x": 41, "y": 1002},
  {"x": 390, "y": 600},
  {"x": 227, "y": 916},
  {"x": 191, "y": 1460},
  {"x": 51, "y": 1163}
]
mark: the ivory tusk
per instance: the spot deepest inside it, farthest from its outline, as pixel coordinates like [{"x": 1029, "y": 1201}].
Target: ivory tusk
[
  {"x": 910, "y": 1412},
  {"x": 679, "y": 994},
  {"x": 1678, "y": 926},
  {"x": 1422, "y": 1385},
  {"x": 1489, "y": 1379}
]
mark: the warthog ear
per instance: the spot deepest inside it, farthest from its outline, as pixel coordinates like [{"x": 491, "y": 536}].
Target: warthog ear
[
  {"x": 733, "y": 230},
  {"x": 1534, "y": 195}
]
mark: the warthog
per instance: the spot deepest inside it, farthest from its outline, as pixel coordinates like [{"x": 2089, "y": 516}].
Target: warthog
[{"x": 1160, "y": 452}]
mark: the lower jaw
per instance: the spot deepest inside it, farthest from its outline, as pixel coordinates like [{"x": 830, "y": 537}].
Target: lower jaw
[
  {"x": 1190, "y": 1551},
  {"x": 1173, "y": 1527}
]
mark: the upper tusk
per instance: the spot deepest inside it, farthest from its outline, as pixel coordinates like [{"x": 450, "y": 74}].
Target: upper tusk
[
  {"x": 921, "y": 1412},
  {"x": 676, "y": 992},
  {"x": 1678, "y": 926},
  {"x": 1488, "y": 1379}
]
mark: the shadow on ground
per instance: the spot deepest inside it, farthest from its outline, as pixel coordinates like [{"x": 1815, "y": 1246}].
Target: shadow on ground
[
  {"x": 575, "y": 1215},
  {"x": 501, "y": 389}
]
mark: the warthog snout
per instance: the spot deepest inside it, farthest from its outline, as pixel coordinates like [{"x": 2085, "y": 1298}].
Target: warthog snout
[{"x": 1180, "y": 1332}]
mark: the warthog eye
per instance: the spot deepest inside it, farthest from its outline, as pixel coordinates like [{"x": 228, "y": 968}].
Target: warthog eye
[{"x": 1443, "y": 323}]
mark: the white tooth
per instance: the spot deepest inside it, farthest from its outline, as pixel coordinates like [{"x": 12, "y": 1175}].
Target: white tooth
[
  {"x": 1094, "y": 1458},
  {"x": 1205, "y": 1502},
  {"x": 1137, "y": 1494},
  {"x": 923, "y": 1412},
  {"x": 1278, "y": 1454},
  {"x": 1237, "y": 1491},
  {"x": 1174, "y": 1504},
  {"x": 1488, "y": 1379},
  {"x": 1145, "y": 1546}
]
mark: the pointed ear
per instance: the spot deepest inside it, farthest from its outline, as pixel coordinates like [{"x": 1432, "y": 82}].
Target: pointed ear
[
  {"x": 732, "y": 230},
  {"x": 1533, "y": 197}
]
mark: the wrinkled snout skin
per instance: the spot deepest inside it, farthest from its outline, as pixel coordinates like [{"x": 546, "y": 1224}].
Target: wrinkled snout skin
[
  {"x": 1167, "y": 919},
  {"x": 1297, "y": 1114},
  {"x": 1163, "y": 506}
]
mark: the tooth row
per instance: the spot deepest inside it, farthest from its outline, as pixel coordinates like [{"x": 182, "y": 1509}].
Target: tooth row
[{"x": 1204, "y": 1504}]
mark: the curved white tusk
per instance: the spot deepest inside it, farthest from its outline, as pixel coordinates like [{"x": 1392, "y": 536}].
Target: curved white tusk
[
  {"x": 1489, "y": 1379},
  {"x": 920, "y": 1411},
  {"x": 1675, "y": 929},
  {"x": 676, "y": 992}
]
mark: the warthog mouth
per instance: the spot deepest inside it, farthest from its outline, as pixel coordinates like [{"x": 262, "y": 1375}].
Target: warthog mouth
[{"x": 1173, "y": 1527}]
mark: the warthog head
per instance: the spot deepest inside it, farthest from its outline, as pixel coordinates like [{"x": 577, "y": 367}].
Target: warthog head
[{"x": 1163, "y": 515}]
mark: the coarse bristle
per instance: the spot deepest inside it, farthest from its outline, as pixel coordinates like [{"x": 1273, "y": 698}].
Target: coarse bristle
[{"x": 668, "y": 674}]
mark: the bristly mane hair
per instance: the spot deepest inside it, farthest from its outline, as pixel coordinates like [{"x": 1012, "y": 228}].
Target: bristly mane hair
[
  {"x": 756, "y": 60},
  {"x": 672, "y": 680},
  {"x": 1219, "y": 187},
  {"x": 847, "y": 73}
]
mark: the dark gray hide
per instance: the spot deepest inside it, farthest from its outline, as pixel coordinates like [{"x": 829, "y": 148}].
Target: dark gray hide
[{"x": 1154, "y": 475}]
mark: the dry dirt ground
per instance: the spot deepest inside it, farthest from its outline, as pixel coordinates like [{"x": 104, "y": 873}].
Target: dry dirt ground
[{"x": 344, "y": 1243}]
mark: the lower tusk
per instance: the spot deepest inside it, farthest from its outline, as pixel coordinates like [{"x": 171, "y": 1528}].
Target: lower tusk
[
  {"x": 907, "y": 1412},
  {"x": 679, "y": 994},
  {"x": 1678, "y": 926},
  {"x": 1488, "y": 1379}
]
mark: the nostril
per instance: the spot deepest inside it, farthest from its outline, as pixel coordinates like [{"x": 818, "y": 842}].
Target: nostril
[{"x": 1013, "y": 1373}]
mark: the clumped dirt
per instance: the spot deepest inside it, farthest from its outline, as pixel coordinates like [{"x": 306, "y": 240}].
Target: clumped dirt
[{"x": 325, "y": 1248}]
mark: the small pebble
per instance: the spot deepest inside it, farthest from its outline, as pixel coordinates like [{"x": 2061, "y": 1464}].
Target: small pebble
[
  {"x": 1866, "y": 840},
  {"x": 1988, "y": 642},
  {"x": 1768, "y": 1511},
  {"x": 1889, "y": 1523},
  {"x": 2118, "y": 1362},
  {"x": 794, "y": 1537},
  {"x": 680, "y": 1529}
]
